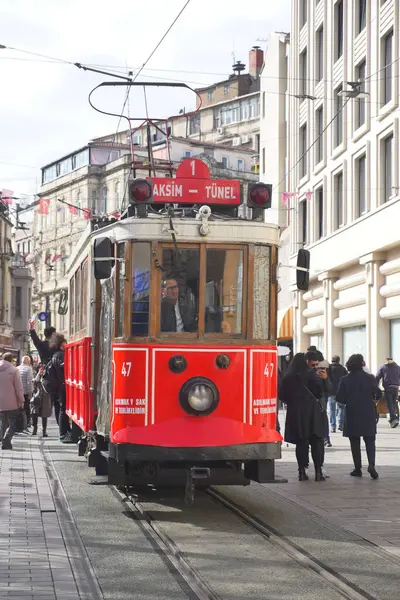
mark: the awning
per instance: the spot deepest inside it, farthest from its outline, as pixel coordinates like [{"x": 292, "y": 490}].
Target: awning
[{"x": 285, "y": 323}]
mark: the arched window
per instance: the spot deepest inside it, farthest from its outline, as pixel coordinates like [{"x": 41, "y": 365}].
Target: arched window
[{"x": 103, "y": 206}]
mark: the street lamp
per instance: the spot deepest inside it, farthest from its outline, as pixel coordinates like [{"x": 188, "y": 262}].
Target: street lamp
[{"x": 355, "y": 91}]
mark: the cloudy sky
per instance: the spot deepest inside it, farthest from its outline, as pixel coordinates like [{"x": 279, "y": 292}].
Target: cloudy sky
[{"x": 44, "y": 112}]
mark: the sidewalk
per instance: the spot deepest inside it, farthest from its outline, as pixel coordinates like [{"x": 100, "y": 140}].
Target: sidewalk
[
  {"x": 37, "y": 561},
  {"x": 370, "y": 509}
]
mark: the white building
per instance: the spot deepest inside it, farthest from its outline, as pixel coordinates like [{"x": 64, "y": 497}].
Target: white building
[
  {"x": 350, "y": 223},
  {"x": 273, "y": 163}
]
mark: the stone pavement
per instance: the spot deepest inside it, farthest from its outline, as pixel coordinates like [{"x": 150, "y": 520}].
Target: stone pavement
[
  {"x": 370, "y": 509},
  {"x": 36, "y": 561}
]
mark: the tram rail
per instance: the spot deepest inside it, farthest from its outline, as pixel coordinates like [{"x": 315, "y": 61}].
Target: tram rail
[{"x": 195, "y": 585}]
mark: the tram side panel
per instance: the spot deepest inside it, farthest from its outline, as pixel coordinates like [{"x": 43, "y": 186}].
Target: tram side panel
[{"x": 78, "y": 370}]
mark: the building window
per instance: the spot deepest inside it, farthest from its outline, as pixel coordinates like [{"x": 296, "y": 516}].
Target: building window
[
  {"x": 303, "y": 12},
  {"x": 361, "y": 196},
  {"x": 194, "y": 124},
  {"x": 360, "y": 103},
  {"x": 225, "y": 162},
  {"x": 303, "y": 222},
  {"x": 104, "y": 201},
  {"x": 263, "y": 104},
  {"x": 319, "y": 59},
  {"x": 226, "y": 89},
  {"x": 187, "y": 154},
  {"x": 303, "y": 73},
  {"x": 320, "y": 212},
  {"x": 303, "y": 151},
  {"x": 387, "y": 75},
  {"x": 338, "y": 203},
  {"x": 210, "y": 95},
  {"x": 362, "y": 15},
  {"x": 240, "y": 165},
  {"x": 319, "y": 135},
  {"x": 388, "y": 167},
  {"x": 338, "y": 139},
  {"x": 338, "y": 29},
  {"x": 18, "y": 302}
]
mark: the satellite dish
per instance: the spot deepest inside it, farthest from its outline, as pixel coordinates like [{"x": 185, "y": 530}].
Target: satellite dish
[{"x": 283, "y": 351}]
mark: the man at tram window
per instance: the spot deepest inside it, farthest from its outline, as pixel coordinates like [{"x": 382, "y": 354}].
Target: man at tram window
[{"x": 175, "y": 315}]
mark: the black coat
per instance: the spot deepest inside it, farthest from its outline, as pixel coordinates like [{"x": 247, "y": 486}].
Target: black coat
[
  {"x": 42, "y": 346},
  {"x": 168, "y": 317},
  {"x": 337, "y": 371},
  {"x": 304, "y": 417},
  {"x": 358, "y": 391}
]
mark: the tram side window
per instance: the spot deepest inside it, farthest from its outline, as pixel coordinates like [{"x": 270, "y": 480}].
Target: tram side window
[
  {"x": 261, "y": 289},
  {"x": 141, "y": 289},
  {"x": 224, "y": 291},
  {"x": 77, "y": 300},
  {"x": 72, "y": 307},
  {"x": 119, "y": 317},
  {"x": 180, "y": 290},
  {"x": 85, "y": 283}
]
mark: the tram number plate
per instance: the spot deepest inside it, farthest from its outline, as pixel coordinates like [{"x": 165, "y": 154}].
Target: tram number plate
[{"x": 126, "y": 369}]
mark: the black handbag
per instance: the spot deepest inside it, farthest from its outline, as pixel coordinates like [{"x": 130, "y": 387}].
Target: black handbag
[{"x": 321, "y": 407}]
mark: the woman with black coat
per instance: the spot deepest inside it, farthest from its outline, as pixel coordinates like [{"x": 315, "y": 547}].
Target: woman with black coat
[
  {"x": 358, "y": 391},
  {"x": 305, "y": 417}
]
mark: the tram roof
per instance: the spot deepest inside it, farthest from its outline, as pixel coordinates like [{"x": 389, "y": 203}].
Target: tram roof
[{"x": 156, "y": 228}]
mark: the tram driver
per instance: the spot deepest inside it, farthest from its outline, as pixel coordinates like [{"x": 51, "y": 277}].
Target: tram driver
[{"x": 175, "y": 314}]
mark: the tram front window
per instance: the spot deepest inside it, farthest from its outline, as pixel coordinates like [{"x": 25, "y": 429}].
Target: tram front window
[
  {"x": 224, "y": 291},
  {"x": 180, "y": 290}
]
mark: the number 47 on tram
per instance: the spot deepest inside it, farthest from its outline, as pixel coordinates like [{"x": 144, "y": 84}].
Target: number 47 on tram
[{"x": 171, "y": 368}]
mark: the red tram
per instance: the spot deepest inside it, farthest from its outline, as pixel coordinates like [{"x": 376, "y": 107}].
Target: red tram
[{"x": 171, "y": 369}]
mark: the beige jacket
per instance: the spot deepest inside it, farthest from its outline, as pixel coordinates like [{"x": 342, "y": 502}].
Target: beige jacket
[{"x": 11, "y": 390}]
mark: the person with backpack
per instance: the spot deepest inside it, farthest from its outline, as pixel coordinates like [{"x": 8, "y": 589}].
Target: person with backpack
[
  {"x": 389, "y": 373},
  {"x": 53, "y": 382}
]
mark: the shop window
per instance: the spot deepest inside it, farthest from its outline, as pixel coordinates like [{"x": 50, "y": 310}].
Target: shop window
[
  {"x": 395, "y": 340},
  {"x": 354, "y": 341}
]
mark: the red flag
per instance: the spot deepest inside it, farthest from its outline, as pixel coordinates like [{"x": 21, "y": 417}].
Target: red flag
[
  {"x": 87, "y": 214},
  {"x": 115, "y": 214},
  {"x": 7, "y": 196},
  {"x": 44, "y": 205},
  {"x": 73, "y": 210},
  {"x": 57, "y": 257},
  {"x": 308, "y": 196}
]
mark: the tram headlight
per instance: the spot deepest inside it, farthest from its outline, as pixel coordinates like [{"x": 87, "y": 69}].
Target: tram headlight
[
  {"x": 177, "y": 364},
  {"x": 199, "y": 396}
]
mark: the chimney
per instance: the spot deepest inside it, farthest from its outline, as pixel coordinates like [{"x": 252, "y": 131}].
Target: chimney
[{"x": 256, "y": 61}]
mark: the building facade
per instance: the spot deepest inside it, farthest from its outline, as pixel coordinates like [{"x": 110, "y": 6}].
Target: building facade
[
  {"x": 343, "y": 162},
  {"x": 6, "y": 254}
]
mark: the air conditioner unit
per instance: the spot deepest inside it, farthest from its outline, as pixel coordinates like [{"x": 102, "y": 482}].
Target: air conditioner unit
[
  {"x": 220, "y": 130},
  {"x": 236, "y": 141},
  {"x": 245, "y": 139}
]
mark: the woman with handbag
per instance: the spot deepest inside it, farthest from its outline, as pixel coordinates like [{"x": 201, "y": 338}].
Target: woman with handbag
[
  {"x": 40, "y": 404},
  {"x": 301, "y": 391},
  {"x": 358, "y": 391}
]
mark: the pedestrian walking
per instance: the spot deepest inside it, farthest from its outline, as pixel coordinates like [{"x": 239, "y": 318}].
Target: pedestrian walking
[
  {"x": 358, "y": 391},
  {"x": 54, "y": 382},
  {"x": 301, "y": 391},
  {"x": 40, "y": 404},
  {"x": 336, "y": 411},
  {"x": 389, "y": 373},
  {"x": 11, "y": 400},
  {"x": 25, "y": 370},
  {"x": 45, "y": 354}
]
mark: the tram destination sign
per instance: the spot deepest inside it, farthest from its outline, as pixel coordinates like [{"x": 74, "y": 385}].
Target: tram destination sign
[{"x": 195, "y": 191}]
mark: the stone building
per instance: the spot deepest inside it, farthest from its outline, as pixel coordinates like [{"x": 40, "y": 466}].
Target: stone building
[{"x": 343, "y": 157}]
